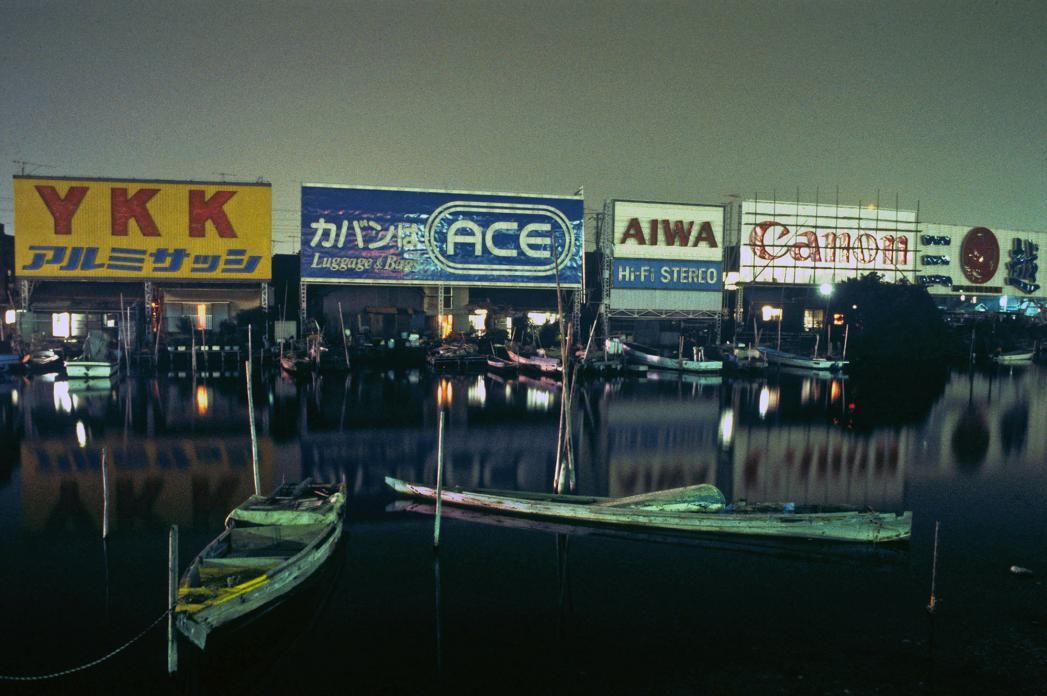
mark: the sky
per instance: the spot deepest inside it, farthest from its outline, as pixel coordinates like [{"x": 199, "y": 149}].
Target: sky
[{"x": 935, "y": 105}]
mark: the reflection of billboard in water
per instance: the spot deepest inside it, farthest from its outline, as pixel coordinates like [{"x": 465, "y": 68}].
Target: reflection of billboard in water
[
  {"x": 513, "y": 457},
  {"x": 827, "y": 464},
  {"x": 657, "y": 444},
  {"x": 191, "y": 482}
]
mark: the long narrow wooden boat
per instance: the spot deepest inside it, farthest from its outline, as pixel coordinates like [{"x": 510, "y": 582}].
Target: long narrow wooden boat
[
  {"x": 780, "y": 357},
  {"x": 694, "y": 508},
  {"x": 544, "y": 364},
  {"x": 644, "y": 355},
  {"x": 270, "y": 546}
]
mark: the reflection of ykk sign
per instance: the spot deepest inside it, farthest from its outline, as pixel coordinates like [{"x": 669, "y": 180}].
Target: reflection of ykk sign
[
  {"x": 1021, "y": 269},
  {"x": 77, "y": 258}
]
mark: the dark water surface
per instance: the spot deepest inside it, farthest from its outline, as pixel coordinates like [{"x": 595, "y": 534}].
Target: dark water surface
[{"x": 507, "y": 608}]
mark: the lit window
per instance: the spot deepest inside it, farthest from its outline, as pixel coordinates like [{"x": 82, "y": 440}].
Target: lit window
[
  {"x": 813, "y": 319},
  {"x": 478, "y": 320},
  {"x": 771, "y": 313},
  {"x": 60, "y": 325}
]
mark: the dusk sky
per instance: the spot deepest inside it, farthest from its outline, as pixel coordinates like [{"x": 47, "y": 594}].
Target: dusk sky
[{"x": 940, "y": 103}]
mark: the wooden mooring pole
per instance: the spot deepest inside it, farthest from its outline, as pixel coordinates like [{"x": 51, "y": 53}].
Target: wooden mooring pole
[
  {"x": 439, "y": 478},
  {"x": 105, "y": 496},
  {"x": 932, "y": 604},
  {"x": 254, "y": 436},
  {"x": 172, "y": 595}
]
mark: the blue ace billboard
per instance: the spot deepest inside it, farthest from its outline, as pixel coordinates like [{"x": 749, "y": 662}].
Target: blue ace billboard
[{"x": 429, "y": 237}]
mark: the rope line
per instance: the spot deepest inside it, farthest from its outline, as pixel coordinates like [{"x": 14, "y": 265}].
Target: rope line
[{"x": 80, "y": 668}]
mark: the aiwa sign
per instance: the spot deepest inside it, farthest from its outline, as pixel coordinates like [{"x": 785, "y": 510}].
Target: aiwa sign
[{"x": 428, "y": 237}]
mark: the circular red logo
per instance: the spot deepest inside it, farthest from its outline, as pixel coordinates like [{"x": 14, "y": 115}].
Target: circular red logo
[{"x": 980, "y": 255}]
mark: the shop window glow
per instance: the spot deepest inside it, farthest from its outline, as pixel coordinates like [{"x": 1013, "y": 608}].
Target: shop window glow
[
  {"x": 771, "y": 313},
  {"x": 9, "y": 316},
  {"x": 60, "y": 325},
  {"x": 478, "y": 320},
  {"x": 445, "y": 325}
]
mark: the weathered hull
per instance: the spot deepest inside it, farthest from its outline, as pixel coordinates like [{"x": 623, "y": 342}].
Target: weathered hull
[
  {"x": 547, "y": 366},
  {"x": 263, "y": 555},
  {"x": 777, "y": 357},
  {"x": 257, "y": 593},
  {"x": 1014, "y": 357},
  {"x": 662, "y": 362},
  {"x": 88, "y": 369},
  {"x": 836, "y": 526}
]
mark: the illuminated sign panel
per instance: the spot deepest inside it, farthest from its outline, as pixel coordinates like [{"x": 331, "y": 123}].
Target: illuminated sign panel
[
  {"x": 105, "y": 228},
  {"x": 406, "y": 236},
  {"x": 666, "y": 247},
  {"x": 812, "y": 243},
  {"x": 981, "y": 261}
]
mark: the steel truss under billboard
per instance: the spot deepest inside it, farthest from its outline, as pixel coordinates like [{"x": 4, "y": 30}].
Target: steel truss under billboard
[
  {"x": 810, "y": 243},
  {"x": 430, "y": 237},
  {"x": 666, "y": 260}
]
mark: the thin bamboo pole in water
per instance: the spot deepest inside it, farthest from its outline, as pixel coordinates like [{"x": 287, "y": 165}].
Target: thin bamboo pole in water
[
  {"x": 254, "y": 436},
  {"x": 439, "y": 478},
  {"x": 172, "y": 593}
]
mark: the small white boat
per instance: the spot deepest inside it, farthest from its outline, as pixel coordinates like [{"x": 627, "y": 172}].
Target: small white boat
[
  {"x": 644, "y": 355},
  {"x": 540, "y": 362},
  {"x": 780, "y": 357},
  {"x": 90, "y": 369},
  {"x": 1014, "y": 357}
]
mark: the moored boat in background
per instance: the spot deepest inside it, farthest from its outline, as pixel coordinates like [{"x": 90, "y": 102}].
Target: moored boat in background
[{"x": 700, "y": 508}]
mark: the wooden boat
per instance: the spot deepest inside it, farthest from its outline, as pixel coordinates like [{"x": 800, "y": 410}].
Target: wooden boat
[
  {"x": 270, "y": 546},
  {"x": 45, "y": 360},
  {"x": 645, "y": 355},
  {"x": 90, "y": 369},
  {"x": 1014, "y": 357},
  {"x": 743, "y": 359},
  {"x": 780, "y": 357},
  {"x": 537, "y": 362},
  {"x": 295, "y": 365},
  {"x": 693, "y": 508}
]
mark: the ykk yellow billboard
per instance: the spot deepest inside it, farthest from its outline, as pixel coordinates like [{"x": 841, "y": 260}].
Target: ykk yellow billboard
[{"x": 105, "y": 228}]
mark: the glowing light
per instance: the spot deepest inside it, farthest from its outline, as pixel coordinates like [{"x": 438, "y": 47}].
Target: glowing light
[
  {"x": 477, "y": 395},
  {"x": 81, "y": 434},
  {"x": 202, "y": 400},
  {"x": 60, "y": 325},
  {"x": 769, "y": 397},
  {"x": 63, "y": 402},
  {"x": 478, "y": 320},
  {"x": 1003, "y": 301},
  {"x": 446, "y": 325},
  {"x": 835, "y": 391},
  {"x": 14, "y": 397},
  {"x": 9, "y": 316},
  {"x": 444, "y": 393},
  {"x": 538, "y": 399},
  {"x": 201, "y": 317},
  {"x": 726, "y": 428},
  {"x": 771, "y": 313},
  {"x": 540, "y": 318},
  {"x": 825, "y": 289}
]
